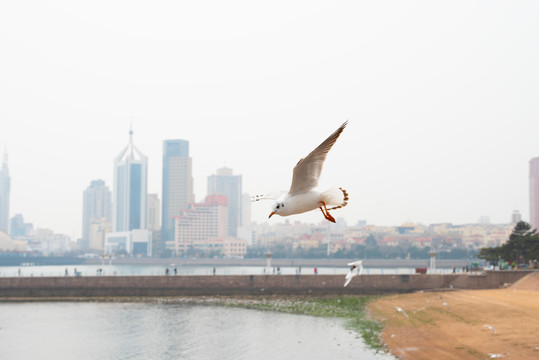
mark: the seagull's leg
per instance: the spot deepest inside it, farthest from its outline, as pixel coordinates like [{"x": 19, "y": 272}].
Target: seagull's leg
[{"x": 326, "y": 214}]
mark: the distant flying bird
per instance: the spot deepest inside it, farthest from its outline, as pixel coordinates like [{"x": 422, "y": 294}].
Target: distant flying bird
[
  {"x": 399, "y": 309},
  {"x": 491, "y": 328},
  {"x": 301, "y": 197},
  {"x": 356, "y": 269}
]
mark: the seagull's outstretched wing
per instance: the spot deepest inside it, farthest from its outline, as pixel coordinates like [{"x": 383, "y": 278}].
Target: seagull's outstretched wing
[
  {"x": 307, "y": 171},
  {"x": 270, "y": 196}
]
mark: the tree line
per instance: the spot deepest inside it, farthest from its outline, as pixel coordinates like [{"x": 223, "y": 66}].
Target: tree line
[{"x": 521, "y": 248}]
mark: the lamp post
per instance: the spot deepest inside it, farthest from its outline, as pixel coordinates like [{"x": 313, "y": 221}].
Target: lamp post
[
  {"x": 268, "y": 262},
  {"x": 432, "y": 254}
]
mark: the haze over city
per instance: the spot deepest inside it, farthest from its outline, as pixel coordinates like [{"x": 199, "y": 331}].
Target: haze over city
[{"x": 440, "y": 97}]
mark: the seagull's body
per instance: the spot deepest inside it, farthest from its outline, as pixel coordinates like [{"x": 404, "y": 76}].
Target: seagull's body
[{"x": 302, "y": 197}]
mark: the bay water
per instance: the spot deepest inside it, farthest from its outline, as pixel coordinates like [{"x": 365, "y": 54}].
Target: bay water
[{"x": 88, "y": 330}]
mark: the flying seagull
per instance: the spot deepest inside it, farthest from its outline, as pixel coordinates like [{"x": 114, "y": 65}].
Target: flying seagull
[
  {"x": 491, "y": 328},
  {"x": 302, "y": 197},
  {"x": 356, "y": 268},
  {"x": 399, "y": 309}
]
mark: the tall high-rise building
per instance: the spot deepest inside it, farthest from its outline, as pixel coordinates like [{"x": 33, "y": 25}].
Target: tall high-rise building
[
  {"x": 4, "y": 195},
  {"x": 96, "y": 204},
  {"x": 534, "y": 193},
  {"x": 130, "y": 188},
  {"x": 177, "y": 189},
  {"x": 225, "y": 183}
]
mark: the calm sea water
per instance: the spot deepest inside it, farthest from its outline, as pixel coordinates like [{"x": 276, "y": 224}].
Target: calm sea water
[
  {"x": 91, "y": 270},
  {"x": 170, "y": 331}
]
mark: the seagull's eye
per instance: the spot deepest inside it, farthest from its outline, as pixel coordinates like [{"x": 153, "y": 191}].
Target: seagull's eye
[{"x": 277, "y": 206}]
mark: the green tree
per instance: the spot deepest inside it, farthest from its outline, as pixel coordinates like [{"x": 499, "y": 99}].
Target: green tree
[{"x": 522, "y": 246}]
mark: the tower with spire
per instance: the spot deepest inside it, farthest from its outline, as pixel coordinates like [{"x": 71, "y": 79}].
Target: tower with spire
[
  {"x": 5, "y": 184},
  {"x": 130, "y": 188}
]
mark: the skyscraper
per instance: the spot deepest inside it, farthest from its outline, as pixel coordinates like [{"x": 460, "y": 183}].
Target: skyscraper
[
  {"x": 177, "y": 189},
  {"x": 130, "y": 188},
  {"x": 96, "y": 204},
  {"x": 4, "y": 195},
  {"x": 534, "y": 193},
  {"x": 225, "y": 183}
]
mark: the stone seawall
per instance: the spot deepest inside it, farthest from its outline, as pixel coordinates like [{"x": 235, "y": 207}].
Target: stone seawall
[{"x": 118, "y": 286}]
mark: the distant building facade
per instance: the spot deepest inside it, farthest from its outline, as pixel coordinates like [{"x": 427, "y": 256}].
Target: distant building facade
[
  {"x": 136, "y": 242},
  {"x": 99, "y": 227},
  {"x": 18, "y": 227},
  {"x": 534, "y": 193},
  {"x": 223, "y": 182},
  {"x": 130, "y": 188},
  {"x": 516, "y": 217},
  {"x": 153, "y": 218},
  {"x": 199, "y": 223},
  {"x": 96, "y": 204},
  {"x": 5, "y": 187},
  {"x": 177, "y": 189},
  {"x": 246, "y": 210},
  {"x": 153, "y": 223}
]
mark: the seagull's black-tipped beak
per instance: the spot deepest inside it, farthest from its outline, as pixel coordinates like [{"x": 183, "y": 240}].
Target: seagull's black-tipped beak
[{"x": 273, "y": 212}]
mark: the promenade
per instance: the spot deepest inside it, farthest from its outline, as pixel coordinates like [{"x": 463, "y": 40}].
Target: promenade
[{"x": 238, "y": 285}]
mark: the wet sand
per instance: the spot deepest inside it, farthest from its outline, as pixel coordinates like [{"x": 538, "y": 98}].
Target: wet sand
[{"x": 464, "y": 324}]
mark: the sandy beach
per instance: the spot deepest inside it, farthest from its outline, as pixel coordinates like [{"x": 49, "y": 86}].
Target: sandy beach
[{"x": 463, "y": 324}]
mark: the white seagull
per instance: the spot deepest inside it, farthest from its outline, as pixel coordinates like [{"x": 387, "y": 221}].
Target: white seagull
[
  {"x": 302, "y": 197},
  {"x": 491, "y": 328},
  {"x": 356, "y": 269}
]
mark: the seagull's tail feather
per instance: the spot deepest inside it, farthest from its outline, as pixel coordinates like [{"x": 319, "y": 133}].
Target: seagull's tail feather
[
  {"x": 338, "y": 197},
  {"x": 269, "y": 196}
]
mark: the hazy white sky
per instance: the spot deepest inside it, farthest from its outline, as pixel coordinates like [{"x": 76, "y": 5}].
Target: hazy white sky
[{"x": 442, "y": 99}]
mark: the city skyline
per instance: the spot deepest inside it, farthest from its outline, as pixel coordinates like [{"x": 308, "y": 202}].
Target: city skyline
[{"x": 440, "y": 100}]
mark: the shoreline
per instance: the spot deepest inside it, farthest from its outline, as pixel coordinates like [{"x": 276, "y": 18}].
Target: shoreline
[
  {"x": 437, "y": 324},
  {"x": 352, "y": 309}
]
